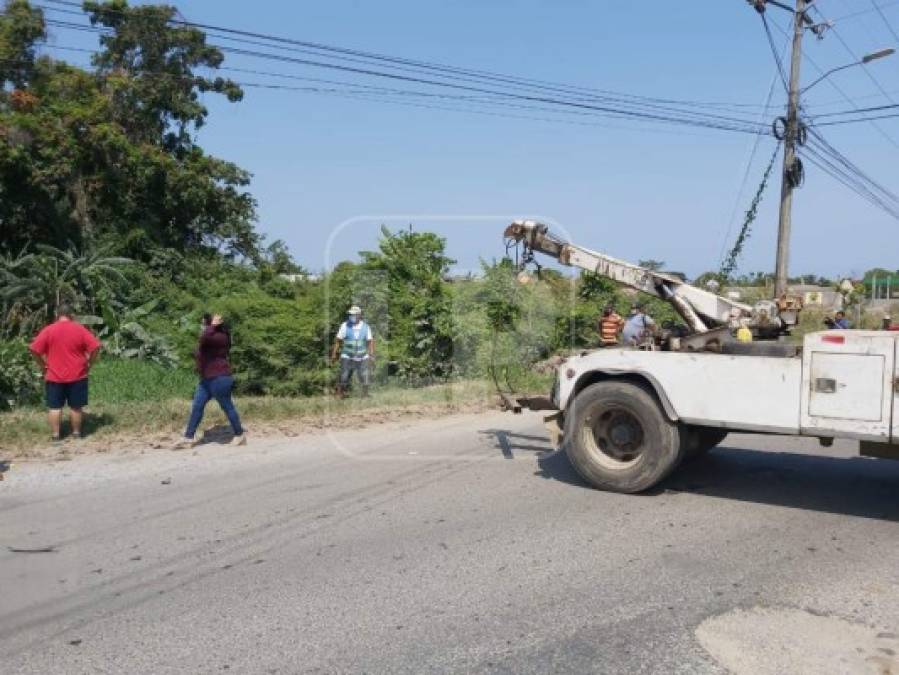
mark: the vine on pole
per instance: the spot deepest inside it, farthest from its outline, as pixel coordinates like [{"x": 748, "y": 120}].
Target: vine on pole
[{"x": 730, "y": 261}]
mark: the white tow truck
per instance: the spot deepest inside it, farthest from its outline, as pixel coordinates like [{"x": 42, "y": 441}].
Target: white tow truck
[{"x": 628, "y": 416}]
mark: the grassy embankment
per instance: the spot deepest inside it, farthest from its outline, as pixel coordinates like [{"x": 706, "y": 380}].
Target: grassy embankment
[{"x": 136, "y": 403}]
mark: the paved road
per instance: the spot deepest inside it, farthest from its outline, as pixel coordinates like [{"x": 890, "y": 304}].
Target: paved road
[{"x": 451, "y": 545}]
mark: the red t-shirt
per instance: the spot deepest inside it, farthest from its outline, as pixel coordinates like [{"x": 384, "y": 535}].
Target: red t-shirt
[{"x": 67, "y": 345}]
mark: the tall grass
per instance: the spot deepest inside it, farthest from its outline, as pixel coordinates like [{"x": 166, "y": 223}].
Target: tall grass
[
  {"x": 137, "y": 403},
  {"x": 129, "y": 381}
]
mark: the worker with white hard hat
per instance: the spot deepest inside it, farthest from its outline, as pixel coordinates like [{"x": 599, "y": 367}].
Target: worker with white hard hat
[{"x": 355, "y": 345}]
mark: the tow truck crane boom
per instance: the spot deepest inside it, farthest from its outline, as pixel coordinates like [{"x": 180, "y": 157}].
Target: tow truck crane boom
[{"x": 702, "y": 310}]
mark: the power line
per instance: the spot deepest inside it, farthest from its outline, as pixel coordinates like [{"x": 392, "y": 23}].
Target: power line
[
  {"x": 818, "y": 138},
  {"x": 870, "y": 118},
  {"x": 862, "y": 12},
  {"x": 843, "y": 94},
  {"x": 844, "y": 177},
  {"x": 774, "y": 52},
  {"x": 749, "y": 162},
  {"x": 855, "y": 57},
  {"x": 856, "y": 110},
  {"x": 824, "y": 155},
  {"x": 885, "y": 20},
  {"x": 706, "y": 120},
  {"x": 435, "y": 69},
  {"x": 383, "y": 95}
]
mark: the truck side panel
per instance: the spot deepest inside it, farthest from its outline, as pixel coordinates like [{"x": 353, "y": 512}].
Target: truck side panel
[
  {"x": 895, "y": 437},
  {"x": 736, "y": 392},
  {"x": 847, "y": 384}
]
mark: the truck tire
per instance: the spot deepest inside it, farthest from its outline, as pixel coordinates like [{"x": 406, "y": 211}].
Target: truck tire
[
  {"x": 697, "y": 441},
  {"x": 618, "y": 438}
]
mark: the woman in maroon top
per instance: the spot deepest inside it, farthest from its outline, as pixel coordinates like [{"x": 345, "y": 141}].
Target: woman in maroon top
[{"x": 215, "y": 380}]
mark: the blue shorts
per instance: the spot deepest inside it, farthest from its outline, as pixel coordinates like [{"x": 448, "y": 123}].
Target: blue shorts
[{"x": 60, "y": 393}]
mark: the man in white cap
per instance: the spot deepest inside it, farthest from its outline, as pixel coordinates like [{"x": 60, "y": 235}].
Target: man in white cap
[{"x": 356, "y": 346}]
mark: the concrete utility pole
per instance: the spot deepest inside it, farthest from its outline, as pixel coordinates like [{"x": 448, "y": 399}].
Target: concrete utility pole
[{"x": 791, "y": 135}]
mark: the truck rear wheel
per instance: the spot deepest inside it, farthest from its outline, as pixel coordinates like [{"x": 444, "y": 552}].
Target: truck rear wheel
[{"x": 618, "y": 438}]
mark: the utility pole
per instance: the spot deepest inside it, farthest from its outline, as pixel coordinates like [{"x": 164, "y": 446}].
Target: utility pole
[{"x": 790, "y": 174}]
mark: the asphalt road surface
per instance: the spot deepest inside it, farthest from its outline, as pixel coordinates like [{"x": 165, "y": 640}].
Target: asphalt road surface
[{"x": 454, "y": 545}]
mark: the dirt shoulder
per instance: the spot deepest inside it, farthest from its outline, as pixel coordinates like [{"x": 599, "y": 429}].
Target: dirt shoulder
[{"x": 148, "y": 426}]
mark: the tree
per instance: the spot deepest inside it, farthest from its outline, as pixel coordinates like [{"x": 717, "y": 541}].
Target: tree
[
  {"x": 592, "y": 286},
  {"x": 702, "y": 281},
  {"x": 420, "y": 323},
  {"x": 109, "y": 156},
  {"x": 652, "y": 265},
  {"x": 21, "y": 27}
]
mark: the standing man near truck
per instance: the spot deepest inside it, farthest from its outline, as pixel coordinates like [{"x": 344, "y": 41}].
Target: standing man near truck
[
  {"x": 65, "y": 350},
  {"x": 610, "y": 325},
  {"x": 356, "y": 346},
  {"x": 638, "y": 327}
]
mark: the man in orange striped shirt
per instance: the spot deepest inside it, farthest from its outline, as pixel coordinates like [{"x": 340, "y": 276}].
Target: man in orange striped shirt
[{"x": 610, "y": 326}]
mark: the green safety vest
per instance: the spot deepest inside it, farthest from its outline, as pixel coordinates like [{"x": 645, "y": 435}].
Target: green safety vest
[{"x": 355, "y": 348}]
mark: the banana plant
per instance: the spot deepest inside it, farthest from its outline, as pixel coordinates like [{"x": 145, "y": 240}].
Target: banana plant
[{"x": 123, "y": 334}]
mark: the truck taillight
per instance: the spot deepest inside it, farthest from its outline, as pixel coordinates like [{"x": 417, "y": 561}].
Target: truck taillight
[{"x": 834, "y": 339}]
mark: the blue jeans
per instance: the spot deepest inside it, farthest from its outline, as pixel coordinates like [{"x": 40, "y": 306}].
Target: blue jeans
[{"x": 218, "y": 388}]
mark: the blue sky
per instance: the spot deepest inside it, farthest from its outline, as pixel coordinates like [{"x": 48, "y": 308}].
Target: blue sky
[{"x": 632, "y": 190}]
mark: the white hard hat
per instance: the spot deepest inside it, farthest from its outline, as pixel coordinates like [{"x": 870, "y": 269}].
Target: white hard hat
[{"x": 355, "y": 309}]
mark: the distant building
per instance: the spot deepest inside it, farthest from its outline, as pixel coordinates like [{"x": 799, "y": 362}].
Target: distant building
[
  {"x": 295, "y": 278},
  {"x": 823, "y": 297},
  {"x": 882, "y": 286}
]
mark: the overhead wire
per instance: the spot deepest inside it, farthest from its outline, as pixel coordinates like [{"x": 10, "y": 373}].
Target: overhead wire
[
  {"x": 752, "y": 154},
  {"x": 856, "y": 58},
  {"x": 777, "y": 58},
  {"x": 383, "y": 95},
  {"x": 437, "y": 70},
  {"x": 886, "y": 21},
  {"x": 843, "y": 94},
  {"x": 822, "y": 153},
  {"x": 862, "y": 12},
  {"x": 695, "y": 119},
  {"x": 846, "y": 178}
]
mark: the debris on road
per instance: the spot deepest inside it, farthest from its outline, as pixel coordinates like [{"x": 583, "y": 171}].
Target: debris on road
[{"x": 41, "y": 549}]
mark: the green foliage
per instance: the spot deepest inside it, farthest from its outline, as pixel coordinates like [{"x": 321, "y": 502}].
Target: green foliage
[
  {"x": 20, "y": 381},
  {"x": 411, "y": 267},
  {"x": 127, "y": 381},
  {"x": 124, "y": 336},
  {"x": 110, "y": 156},
  {"x": 32, "y": 285},
  {"x": 21, "y": 26},
  {"x": 500, "y": 295},
  {"x": 651, "y": 264},
  {"x": 730, "y": 261},
  {"x": 596, "y": 288}
]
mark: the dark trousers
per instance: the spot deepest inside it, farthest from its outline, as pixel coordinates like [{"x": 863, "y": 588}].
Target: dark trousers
[
  {"x": 350, "y": 366},
  {"x": 218, "y": 388}
]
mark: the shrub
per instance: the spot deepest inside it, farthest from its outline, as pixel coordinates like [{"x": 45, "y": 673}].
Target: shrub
[{"x": 20, "y": 380}]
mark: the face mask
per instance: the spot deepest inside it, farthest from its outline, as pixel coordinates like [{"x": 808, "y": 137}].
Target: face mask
[{"x": 351, "y": 319}]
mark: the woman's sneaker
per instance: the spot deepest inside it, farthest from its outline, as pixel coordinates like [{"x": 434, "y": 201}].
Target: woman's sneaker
[
  {"x": 239, "y": 440},
  {"x": 186, "y": 444}
]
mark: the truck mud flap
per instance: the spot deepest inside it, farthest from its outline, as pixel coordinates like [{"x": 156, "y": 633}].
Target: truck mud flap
[{"x": 554, "y": 428}]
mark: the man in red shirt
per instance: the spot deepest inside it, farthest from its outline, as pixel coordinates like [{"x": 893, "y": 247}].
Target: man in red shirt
[{"x": 65, "y": 350}]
